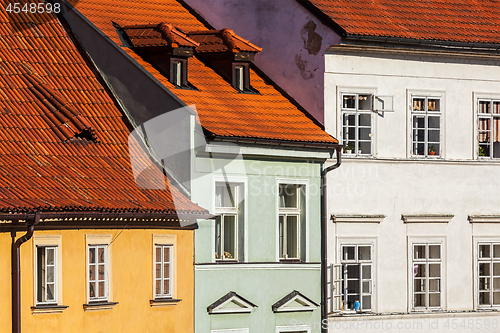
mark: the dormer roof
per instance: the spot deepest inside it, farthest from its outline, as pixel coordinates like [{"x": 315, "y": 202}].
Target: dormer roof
[
  {"x": 154, "y": 35},
  {"x": 224, "y": 40}
]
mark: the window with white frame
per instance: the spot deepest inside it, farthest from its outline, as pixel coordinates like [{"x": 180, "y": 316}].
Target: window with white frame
[
  {"x": 488, "y": 261},
  {"x": 357, "y": 123},
  {"x": 427, "y": 281},
  {"x": 98, "y": 272},
  {"x": 163, "y": 271},
  {"x": 355, "y": 278},
  {"x": 291, "y": 214},
  {"x": 488, "y": 114},
  {"x": 46, "y": 274},
  {"x": 228, "y": 207},
  {"x": 426, "y": 126}
]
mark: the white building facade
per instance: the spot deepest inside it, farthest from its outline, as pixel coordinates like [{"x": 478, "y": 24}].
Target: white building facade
[{"x": 414, "y": 235}]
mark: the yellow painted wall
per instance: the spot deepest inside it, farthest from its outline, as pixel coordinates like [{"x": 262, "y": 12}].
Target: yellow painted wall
[{"x": 132, "y": 286}]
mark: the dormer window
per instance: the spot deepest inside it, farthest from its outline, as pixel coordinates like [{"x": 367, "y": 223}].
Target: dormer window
[
  {"x": 241, "y": 77},
  {"x": 238, "y": 77},
  {"x": 178, "y": 72}
]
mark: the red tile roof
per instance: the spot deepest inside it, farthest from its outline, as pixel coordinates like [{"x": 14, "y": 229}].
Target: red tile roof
[
  {"x": 63, "y": 144},
  {"x": 222, "y": 110},
  {"x": 447, "y": 20},
  {"x": 152, "y": 35},
  {"x": 221, "y": 41}
]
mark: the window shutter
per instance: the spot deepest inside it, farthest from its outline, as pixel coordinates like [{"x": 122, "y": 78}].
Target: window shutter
[
  {"x": 383, "y": 103},
  {"x": 334, "y": 291}
]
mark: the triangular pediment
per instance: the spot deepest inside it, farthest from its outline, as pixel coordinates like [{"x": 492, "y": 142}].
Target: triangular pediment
[
  {"x": 231, "y": 303},
  {"x": 293, "y": 302}
]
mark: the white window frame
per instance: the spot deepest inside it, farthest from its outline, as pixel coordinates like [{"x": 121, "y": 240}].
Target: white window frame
[
  {"x": 426, "y": 241},
  {"x": 305, "y": 191},
  {"x": 294, "y": 328},
  {"x": 343, "y": 273},
  {"x": 477, "y": 243},
  {"x": 171, "y": 241},
  {"x": 162, "y": 261},
  {"x": 239, "y": 76},
  {"x": 223, "y": 212},
  {"x": 356, "y": 112},
  {"x": 491, "y": 116},
  {"x": 415, "y": 94},
  {"x": 102, "y": 241},
  {"x": 48, "y": 241},
  {"x": 96, "y": 280}
]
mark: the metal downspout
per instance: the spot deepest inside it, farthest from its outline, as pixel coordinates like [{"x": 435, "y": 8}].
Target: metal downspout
[
  {"x": 16, "y": 270},
  {"x": 324, "y": 240}
]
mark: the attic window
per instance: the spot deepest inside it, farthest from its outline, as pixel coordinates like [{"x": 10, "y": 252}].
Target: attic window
[
  {"x": 178, "y": 72},
  {"x": 241, "y": 77}
]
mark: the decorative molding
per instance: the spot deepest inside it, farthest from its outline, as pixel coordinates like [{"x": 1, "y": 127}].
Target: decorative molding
[
  {"x": 164, "y": 301},
  {"x": 256, "y": 266},
  {"x": 428, "y": 218},
  {"x": 484, "y": 218},
  {"x": 294, "y": 302},
  {"x": 97, "y": 306},
  {"x": 48, "y": 309},
  {"x": 240, "y": 305},
  {"x": 357, "y": 218}
]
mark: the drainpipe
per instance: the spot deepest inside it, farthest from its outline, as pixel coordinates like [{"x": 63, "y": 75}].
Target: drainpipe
[
  {"x": 324, "y": 239},
  {"x": 31, "y": 221}
]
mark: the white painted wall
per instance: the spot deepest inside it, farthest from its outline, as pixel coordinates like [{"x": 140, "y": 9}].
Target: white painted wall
[{"x": 393, "y": 184}]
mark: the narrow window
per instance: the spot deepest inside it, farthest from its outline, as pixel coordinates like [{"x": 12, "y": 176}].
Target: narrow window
[
  {"x": 177, "y": 73},
  {"x": 289, "y": 221},
  {"x": 46, "y": 274},
  {"x": 239, "y": 78},
  {"x": 226, "y": 225},
  {"x": 426, "y": 126},
  {"x": 426, "y": 276},
  {"x": 98, "y": 272},
  {"x": 489, "y": 275},
  {"x": 163, "y": 271},
  {"x": 357, "y": 124},
  {"x": 356, "y": 282},
  {"x": 489, "y": 129}
]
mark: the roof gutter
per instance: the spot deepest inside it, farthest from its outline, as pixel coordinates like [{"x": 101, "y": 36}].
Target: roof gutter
[
  {"x": 32, "y": 220},
  {"x": 324, "y": 239},
  {"x": 277, "y": 143}
]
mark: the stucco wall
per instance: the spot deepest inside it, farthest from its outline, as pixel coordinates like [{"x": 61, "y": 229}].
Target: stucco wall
[
  {"x": 292, "y": 39},
  {"x": 132, "y": 286}
]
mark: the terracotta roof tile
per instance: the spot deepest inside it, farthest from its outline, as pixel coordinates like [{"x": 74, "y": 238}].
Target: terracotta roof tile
[
  {"x": 446, "y": 20},
  {"x": 224, "y": 40},
  {"x": 48, "y": 97},
  {"x": 162, "y": 34},
  {"x": 222, "y": 109}
]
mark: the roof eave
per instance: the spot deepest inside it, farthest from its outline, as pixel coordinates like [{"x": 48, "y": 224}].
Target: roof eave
[{"x": 328, "y": 146}]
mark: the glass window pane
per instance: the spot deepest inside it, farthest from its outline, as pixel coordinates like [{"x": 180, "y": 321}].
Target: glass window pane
[
  {"x": 484, "y": 107},
  {"x": 364, "y": 102},
  {"x": 349, "y": 101},
  {"x": 419, "y": 285},
  {"x": 225, "y": 195},
  {"x": 433, "y": 104},
  {"x": 484, "y": 269},
  {"x": 166, "y": 254},
  {"x": 484, "y": 251},
  {"x": 419, "y": 104},
  {"x": 496, "y": 250},
  {"x": 365, "y": 148},
  {"x": 101, "y": 289},
  {"x": 40, "y": 274},
  {"x": 496, "y": 283},
  {"x": 433, "y": 122},
  {"x": 365, "y": 287},
  {"x": 292, "y": 237},
  {"x": 364, "y": 119},
  {"x": 484, "y": 283},
  {"x": 496, "y": 107},
  {"x": 218, "y": 245},
  {"x": 101, "y": 272},
  {"x": 484, "y": 298},
  {"x": 364, "y": 253},
  {"x": 92, "y": 255},
  {"x": 166, "y": 271},
  {"x": 435, "y": 300},
  {"x": 419, "y": 270},
  {"x": 282, "y": 236},
  {"x": 434, "y": 270},
  {"x": 158, "y": 254},
  {"x": 434, "y": 285},
  {"x": 289, "y": 196},
  {"x": 496, "y": 268},
  {"x": 158, "y": 271},
  {"x": 367, "y": 303},
  {"x": 434, "y": 251},
  {"x": 353, "y": 287},
  {"x": 418, "y": 300},
  {"x": 100, "y": 254},
  {"x": 348, "y": 252},
  {"x": 166, "y": 287},
  {"x": 364, "y": 134},
  {"x": 433, "y": 138},
  {"x": 92, "y": 289},
  {"x": 158, "y": 287},
  {"x": 229, "y": 237},
  {"x": 50, "y": 274},
  {"x": 496, "y": 298},
  {"x": 91, "y": 272},
  {"x": 50, "y": 256},
  {"x": 50, "y": 292},
  {"x": 419, "y": 252},
  {"x": 352, "y": 271}
]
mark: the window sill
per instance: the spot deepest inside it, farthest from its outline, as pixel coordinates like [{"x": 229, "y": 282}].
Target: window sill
[
  {"x": 164, "y": 301},
  {"x": 227, "y": 261},
  {"x": 97, "y": 306},
  {"x": 48, "y": 309},
  {"x": 291, "y": 261}
]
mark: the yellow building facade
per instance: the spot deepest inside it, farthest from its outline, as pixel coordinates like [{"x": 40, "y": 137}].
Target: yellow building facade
[{"x": 131, "y": 278}]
